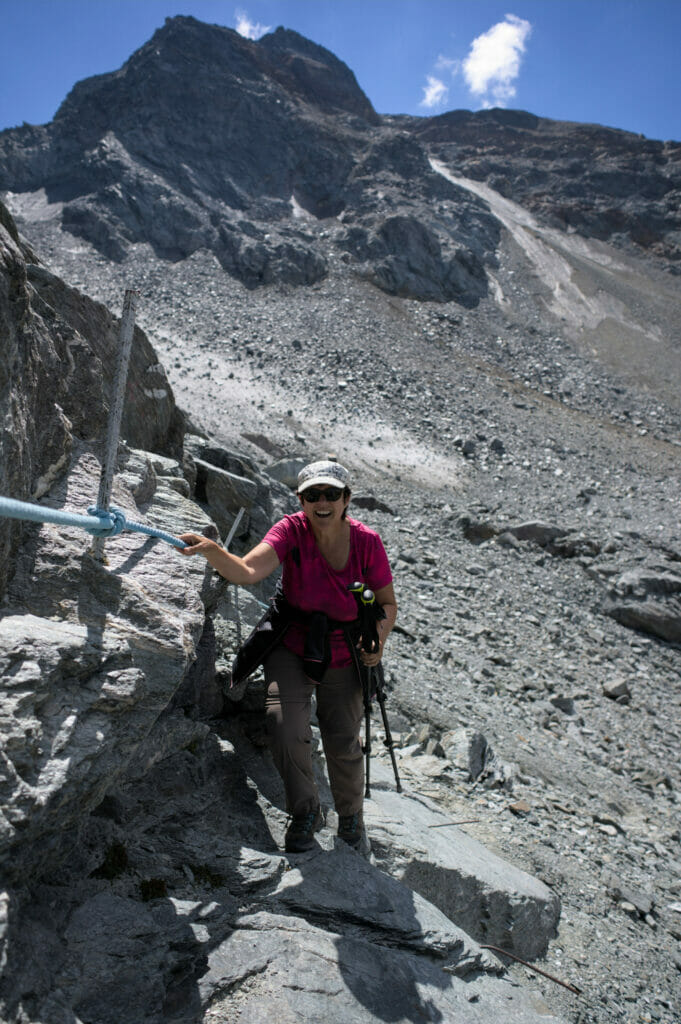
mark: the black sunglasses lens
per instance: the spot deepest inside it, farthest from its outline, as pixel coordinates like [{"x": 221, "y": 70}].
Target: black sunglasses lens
[{"x": 330, "y": 493}]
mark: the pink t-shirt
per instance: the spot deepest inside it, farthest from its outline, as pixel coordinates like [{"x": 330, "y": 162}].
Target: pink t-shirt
[{"x": 311, "y": 584}]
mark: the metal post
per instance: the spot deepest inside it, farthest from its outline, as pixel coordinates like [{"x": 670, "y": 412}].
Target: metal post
[{"x": 116, "y": 410}]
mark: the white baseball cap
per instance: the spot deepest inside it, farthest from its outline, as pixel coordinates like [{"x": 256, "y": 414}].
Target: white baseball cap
[{"x": 330, "y": 473}]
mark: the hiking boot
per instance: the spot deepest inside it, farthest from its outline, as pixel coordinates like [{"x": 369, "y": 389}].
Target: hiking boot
[
  {"x": 301, "y": 830},
  {"x": 350, "y": 828}
]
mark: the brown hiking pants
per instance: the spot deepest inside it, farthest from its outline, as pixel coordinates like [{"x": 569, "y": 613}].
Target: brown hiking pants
[{"x": 339, "y": 712}]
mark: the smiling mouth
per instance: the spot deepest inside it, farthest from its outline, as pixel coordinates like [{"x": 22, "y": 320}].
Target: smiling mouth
[{"x": 323, "y": 515}]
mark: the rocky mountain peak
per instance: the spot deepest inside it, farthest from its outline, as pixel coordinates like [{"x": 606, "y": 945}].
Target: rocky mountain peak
[
  {"x": 206, "y": 140},
  {"x": 187, "y": 67},
  {"x": 268, "y": 154},
  {"x": 201, "y": 67},
  {"x": 316, "y": 74}
]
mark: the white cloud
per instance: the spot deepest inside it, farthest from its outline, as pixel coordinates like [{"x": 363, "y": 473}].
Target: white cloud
[
  {"x": 493, "y": 63},
  {"x": 435, "y": 93},
  {"x": 447, "y": 64},
  {"x": 247, "y": 28}
]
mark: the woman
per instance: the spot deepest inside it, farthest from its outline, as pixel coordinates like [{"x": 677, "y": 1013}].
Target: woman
[{"x": 308, "y": 642}]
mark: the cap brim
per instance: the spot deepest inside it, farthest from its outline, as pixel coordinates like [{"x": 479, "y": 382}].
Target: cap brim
[{"x": 329, "y": 481}]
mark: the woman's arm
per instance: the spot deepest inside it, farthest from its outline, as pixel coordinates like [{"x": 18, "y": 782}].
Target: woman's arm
[
  {"x": 386, "y": 598},
  {"x": 253, "y": 567}
]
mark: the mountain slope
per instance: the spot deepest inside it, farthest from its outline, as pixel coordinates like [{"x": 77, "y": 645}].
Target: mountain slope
[
  {"x": 507, "y": 399},
  {"x": 600, "y": 182},
  {"x": 207, "y": 140}
]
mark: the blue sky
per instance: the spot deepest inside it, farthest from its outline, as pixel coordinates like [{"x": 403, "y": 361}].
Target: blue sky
[{"x": 613, "y": 62}]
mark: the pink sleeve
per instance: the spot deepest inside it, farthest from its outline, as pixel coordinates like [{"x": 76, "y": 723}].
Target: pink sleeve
[
  {"x": 281, "y": 538},
  {"x": 378, "y": 574}
]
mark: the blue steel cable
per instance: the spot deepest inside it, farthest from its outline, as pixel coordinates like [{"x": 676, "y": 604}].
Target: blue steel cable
[{"x": 98, "y": 522}]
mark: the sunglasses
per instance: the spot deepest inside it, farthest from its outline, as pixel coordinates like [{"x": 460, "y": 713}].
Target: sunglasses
[{"x": 313, "y": 494}]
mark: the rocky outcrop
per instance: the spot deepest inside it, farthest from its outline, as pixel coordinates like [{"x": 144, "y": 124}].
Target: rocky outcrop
[
  {"x": 643, "y": 590},
  {"x": 601, "y": 182},
  {"x": 204, "y": 139},
  {"x": 641, "y": 580},
  {"x": 182, "y": 908},
  {"x": 405, "y": 257},
  {"x": 228, "y": 482},
  {"x": 57, "y": 361}
]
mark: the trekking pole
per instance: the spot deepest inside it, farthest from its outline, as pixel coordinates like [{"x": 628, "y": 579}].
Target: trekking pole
[
  {"x": 373, "y": 680},
  {"x": 388, "y": 741},
  {"x": 366, "y": 693},
  {"x": 357, "y": 590}
]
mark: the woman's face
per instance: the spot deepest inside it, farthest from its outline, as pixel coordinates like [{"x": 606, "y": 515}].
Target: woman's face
[{"x": 324, "y": 505}]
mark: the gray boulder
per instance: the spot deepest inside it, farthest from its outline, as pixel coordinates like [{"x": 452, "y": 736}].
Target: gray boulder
[
  {"x": 225, "y": 493},
  {"x": 286, "y": 470},
  {"x": 468, "y": 751},
  {"x": 643, "y": 591},
  {"x": 243, "y": 486},
  {"x": 472, "y": 755},
  {"x": 490, "y": 899},
  {"x": 537, "y": 532}
]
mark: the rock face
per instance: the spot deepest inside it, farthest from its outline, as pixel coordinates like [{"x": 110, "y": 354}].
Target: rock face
[
  {"x": 600, "y": 182},
  {"x": 257, "y": 150},
  {"x": 643, "y": 593},
  {"x": 204, "y": 139},
  {"x": 54, "y": 347},
  {"x": 154, "y": 923},
  {"x": 77, "y": 638}
]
